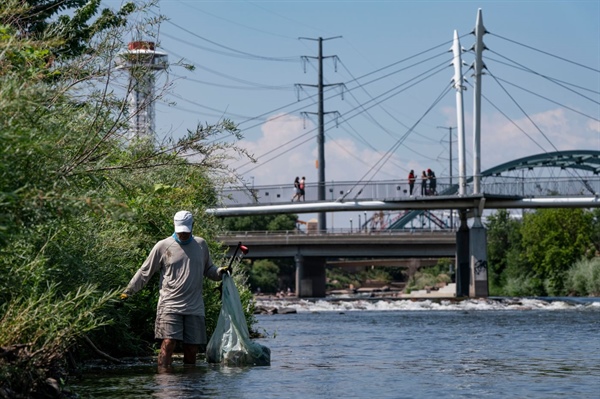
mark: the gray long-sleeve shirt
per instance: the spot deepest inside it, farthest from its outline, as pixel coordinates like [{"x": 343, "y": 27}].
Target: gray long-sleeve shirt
[{"x": 182, "y": 270}]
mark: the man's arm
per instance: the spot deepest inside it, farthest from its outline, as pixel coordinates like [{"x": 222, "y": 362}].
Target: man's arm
[
  {"x": 150, "y": 266},
  {"x": 210, "y": 270}
]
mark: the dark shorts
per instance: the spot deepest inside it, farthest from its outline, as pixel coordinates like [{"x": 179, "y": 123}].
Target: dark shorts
[{"x": 186, "y": 328}]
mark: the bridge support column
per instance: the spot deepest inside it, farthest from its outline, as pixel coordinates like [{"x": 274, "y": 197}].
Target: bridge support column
[
  {"x": 299, "y": 259},
  {"x": 463, "y": 272},
  {"x": 310, "y": 276},
  {"x": 478, "y": 257}
]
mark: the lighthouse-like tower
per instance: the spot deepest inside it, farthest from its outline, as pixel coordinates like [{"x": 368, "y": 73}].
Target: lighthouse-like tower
[{"x": 142, "y": 60}]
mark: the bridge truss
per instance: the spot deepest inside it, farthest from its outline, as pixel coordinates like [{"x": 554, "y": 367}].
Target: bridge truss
[{"x": 564, "y": 173}]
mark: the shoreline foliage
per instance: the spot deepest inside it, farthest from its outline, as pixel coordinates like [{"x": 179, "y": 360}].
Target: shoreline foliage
[
  {"x": 546, "y": 253},
  {"x": 81, "y": 202}
]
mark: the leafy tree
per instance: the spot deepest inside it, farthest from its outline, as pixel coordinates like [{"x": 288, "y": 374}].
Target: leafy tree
[
  {"x": 68, "y": 25},
  {"x": 264, "y": 276},
  {"x": 282, "y": 222},
  {"x": 553, "y": 240},
  {"x": 503, "y": 247},
  {"x": 596, "y": 230}
]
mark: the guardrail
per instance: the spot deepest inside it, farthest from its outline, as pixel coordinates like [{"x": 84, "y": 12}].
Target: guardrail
[
  {"x": 331, "y": 232},
  {"x": 389, "y": 190}
]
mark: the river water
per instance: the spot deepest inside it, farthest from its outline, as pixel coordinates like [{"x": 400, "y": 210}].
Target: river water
[{"x": 525, "y": 348}]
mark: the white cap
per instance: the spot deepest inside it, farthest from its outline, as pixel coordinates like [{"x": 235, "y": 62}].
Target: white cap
[{"x": 183, "y": 222}]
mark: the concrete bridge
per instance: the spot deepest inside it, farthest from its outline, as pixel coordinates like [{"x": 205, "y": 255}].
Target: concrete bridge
[{"x": 311, "y": 251}]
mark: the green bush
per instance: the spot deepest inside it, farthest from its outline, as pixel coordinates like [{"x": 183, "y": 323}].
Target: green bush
[
  {"x": 421, "y": 280},
  {"x": 339, "y": 278},
  {"x": 583, "y": 278},
  {"x": 264, "y": 275},
  {"x": 524, "y": 286}
]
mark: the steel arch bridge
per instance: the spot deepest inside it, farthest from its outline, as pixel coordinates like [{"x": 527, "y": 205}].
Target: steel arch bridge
[{"x": 572, "y": 172}]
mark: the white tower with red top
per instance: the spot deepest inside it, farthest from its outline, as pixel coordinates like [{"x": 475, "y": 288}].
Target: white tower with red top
[{"x": 142, "y": 60}]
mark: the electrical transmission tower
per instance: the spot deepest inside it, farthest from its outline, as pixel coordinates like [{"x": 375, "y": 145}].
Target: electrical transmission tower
[{"x": 321, "y": 135}]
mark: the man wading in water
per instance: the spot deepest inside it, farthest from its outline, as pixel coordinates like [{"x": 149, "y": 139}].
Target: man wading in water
[{"x": 183, "y": 261}]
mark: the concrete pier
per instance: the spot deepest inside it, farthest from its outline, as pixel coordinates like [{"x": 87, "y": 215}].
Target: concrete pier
[
  {"x": 463, "y": 273},
  {"x": 478, "y": 286}
]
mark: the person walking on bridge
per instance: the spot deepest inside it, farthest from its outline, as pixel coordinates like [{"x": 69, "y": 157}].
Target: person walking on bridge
[
  {"x": 432, "y": 182},
  {"x": 424, "y": 183},
  {"x": 183, "y": 261},
  {"x": 296, "y": 189},
  {"x": 301, "y": 186},
  {"x": 411, "y": 182}
]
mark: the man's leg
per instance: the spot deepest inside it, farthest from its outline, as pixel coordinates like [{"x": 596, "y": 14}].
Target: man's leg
[
  {"x": 165, "y": 357},
  {"x": 194, "y": 335},
  {"x": 189, "y": 353}
]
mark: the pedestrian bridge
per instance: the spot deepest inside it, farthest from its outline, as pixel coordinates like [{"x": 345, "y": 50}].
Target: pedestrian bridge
[
  {"x": 548, "y": 175},
  {"x": 561, "y": 179}
]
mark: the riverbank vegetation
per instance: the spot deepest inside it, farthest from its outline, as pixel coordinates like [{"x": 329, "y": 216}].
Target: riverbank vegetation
[
  {"x": 547, "y": 252},
  {"x": 82, "y": 202}
]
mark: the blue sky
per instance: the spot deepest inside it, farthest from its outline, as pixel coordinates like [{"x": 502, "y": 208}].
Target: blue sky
[{"x": 542, "y": 89}]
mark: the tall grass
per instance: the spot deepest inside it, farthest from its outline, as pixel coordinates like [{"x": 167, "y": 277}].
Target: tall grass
[{"x": 36, "y": 332}]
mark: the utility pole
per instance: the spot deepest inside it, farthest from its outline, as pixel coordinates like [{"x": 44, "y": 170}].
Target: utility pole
[
  {"x": 321, "y": 135},
  {"x": 450, "y": 150}
]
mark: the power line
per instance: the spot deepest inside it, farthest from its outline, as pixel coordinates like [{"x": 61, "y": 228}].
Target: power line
[
  {"x": 549, "y": 100},
  {"x": 389, "y": 93},
  {"x": 234, "y": 52},
  {"x": 234, "y": 22},
  {"x": 546, "y": 53},
  {"x": 257, "y": 87},
  {"x": 388, "y": 154},
  {"x": 549, "y": 79}
]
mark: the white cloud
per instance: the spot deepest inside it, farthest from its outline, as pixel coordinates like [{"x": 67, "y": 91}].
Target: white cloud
[
  {"x": 503, "y": 140},
  {"x": 295, "y": 139},
  {"x": 594, "y": 126},
  {"x": 287, "y": 147}
]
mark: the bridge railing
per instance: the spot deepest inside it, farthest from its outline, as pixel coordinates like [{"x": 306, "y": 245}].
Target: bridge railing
[
  {"x": 389, "y": 189},
  {"x": 302, "y": 230},
  {"x": 542, "y": 186}
]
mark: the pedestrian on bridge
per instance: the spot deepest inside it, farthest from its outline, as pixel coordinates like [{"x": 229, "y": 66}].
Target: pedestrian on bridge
[
  {"x": 296, "y": 189},
  {"x": 302, "y": 185},
  {"x": 411, "y": 182},
  {"x": 432, "y": 182},
  {"x": 424, "y": 183}
]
